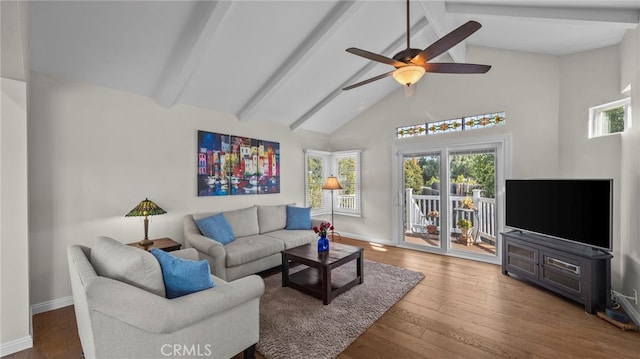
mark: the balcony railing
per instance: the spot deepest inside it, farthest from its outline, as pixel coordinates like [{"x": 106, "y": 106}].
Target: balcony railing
[
  {"x": 417, "y": 207},
  {"x": 347, "y": 201}
]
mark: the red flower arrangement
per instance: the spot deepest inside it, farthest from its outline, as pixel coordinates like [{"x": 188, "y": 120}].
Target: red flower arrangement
[{"x": 322, "y": 230}]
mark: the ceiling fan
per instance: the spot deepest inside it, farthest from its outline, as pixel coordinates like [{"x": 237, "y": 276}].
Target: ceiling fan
[{"x": 411, "y": 64}]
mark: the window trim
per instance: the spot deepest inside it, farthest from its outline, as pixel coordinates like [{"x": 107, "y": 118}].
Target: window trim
[
  {"x": 596, "y": 124},
  {"x": 325, "y": 208},
  {"x": 357, "y": 211},
  {"x": 330, "y": 167}
]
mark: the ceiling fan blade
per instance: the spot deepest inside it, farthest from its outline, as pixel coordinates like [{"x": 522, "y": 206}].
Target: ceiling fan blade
[
  {"x": 368, "y": 81},
  {"x": 446, "y": 42},
  {"x": 455, "y": 68},
  {"x": 375, "y": 57}
]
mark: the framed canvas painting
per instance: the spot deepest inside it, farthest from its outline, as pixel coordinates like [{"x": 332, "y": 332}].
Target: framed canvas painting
[
  {"x": 268, "y": 167},
  {"x": 213, "y": 165},
  {"x": 244, "y": 165}
]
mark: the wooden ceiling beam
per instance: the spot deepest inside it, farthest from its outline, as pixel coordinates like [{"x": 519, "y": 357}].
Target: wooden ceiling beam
[
  {"x": 601, "y": 14},
  {"x": 435, "y": 12},
  {"x": 341, "y": 12},
  {"x": 192, "y": 49}
]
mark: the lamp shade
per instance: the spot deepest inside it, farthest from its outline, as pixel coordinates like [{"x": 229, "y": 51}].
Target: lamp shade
[
  {"x": 408, "y": 75},
  {"x": 145, "y": 208},
  {"x": 331, "y": 183}
]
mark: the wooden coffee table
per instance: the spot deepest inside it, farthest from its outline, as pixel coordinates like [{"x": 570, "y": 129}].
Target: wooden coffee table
[{"x": 317, "y": 280}]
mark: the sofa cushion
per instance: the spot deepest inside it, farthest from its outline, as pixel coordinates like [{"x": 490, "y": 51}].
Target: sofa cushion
[
  {"x": 294, "y": 238},
  {"x": 244, "y": 222},
  {"x": 298, "y": 217},
  {"x": 127, "y": 264},
  {"x": 183, "y": 276},
  {"x": 217, "y": 228},
  {"x": 272, "y": 218},
  {"x": 250, "y": 248}
]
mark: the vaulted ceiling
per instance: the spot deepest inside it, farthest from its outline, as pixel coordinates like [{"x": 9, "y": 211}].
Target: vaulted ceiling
[{"x": 284, "y": 62}]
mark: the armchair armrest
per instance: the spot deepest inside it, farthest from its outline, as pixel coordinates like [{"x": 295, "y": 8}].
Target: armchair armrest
[{"x": 139, "y": 308}]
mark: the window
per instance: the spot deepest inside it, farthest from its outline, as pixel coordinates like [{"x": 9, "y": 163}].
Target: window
[
  {"x": 610, "y": 118},
  {"x": 316, "y": 170},
  {"x": 346, "y": 166},
  {"x": 452, "y": 125}
]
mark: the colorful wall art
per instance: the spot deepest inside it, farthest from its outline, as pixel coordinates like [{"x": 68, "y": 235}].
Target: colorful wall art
[{"x": 235, "y": 165}]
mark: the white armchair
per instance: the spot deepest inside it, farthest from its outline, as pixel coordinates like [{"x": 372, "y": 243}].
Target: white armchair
[{"x": 119, "y": 320}]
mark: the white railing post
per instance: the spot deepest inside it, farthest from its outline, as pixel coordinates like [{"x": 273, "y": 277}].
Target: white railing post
[
  {"x": 409, "y": 207},
  {"x": 476, "y": 197},
  {"x": 478, "y": 204}
]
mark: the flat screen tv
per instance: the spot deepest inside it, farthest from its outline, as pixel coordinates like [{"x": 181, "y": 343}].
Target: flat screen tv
[{"x": 575, "y": 210}]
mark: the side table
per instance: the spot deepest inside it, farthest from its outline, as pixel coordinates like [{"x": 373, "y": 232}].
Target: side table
[{"x": 166, "y": 244}]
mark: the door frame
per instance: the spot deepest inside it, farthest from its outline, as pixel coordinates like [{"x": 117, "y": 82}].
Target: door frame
[{"x": 503, "y": 170}]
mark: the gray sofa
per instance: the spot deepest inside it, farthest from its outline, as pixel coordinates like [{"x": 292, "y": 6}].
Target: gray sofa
[
  {"x": 260, "y": 233},
  {"x": 123, "y": 313}
]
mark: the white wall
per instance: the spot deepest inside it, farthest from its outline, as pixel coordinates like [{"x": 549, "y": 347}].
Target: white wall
[
  {"x": 15, "y": 326},
  {"x": 14, "y": 252},
  {"x": 525, "y": 86},
  {"x": 630, "y": 175},
  {"x": 590, "y": 79},
  {"x": 94, "y": 153}
]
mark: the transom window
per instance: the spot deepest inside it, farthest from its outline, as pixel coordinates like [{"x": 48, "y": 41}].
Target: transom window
[
  {"x": 452, "y": 125},
  {"x": 345, "y": 165},
  {"x": 613, "y": 117}
]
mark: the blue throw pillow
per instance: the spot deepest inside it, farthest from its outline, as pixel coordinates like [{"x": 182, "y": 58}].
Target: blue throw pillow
[
  {"x": 217, "y": 228},
  {"x": 298, "y": 217},
  {"x": 182, "y": 276}
]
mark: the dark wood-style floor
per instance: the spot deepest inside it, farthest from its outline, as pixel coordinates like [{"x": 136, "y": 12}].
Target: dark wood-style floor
[{"x": 461, "y": 309}]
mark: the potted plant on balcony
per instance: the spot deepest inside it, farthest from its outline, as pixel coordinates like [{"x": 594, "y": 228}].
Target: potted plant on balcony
[
  {"x": 466, "y": 227},
  {"x": 467, "y": 203},
  {"x": 432, "y": 228}
]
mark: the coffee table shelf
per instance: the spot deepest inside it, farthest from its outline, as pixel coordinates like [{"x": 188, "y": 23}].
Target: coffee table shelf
[
  {"x": 308, "y": 280},
  {"x": 318, "y": 279}
]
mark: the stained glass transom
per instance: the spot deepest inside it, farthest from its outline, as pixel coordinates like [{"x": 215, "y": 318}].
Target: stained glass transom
[
  {"x": 410, "y": 131},
  {"x": 453, "y": 125}
]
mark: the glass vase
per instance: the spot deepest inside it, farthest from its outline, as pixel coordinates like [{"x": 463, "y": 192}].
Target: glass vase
[{"x": 323, "y": 244}]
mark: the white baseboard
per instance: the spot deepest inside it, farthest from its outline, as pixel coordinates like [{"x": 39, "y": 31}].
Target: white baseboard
[
  {"x": 629, "y": 308},
  {"x": 15, "y": 346},
  {"x": 367, "y": 239},
  {"x": 51, "y": 305}
]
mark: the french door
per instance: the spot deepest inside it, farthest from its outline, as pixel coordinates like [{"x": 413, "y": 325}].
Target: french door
[{"x": 449, "y": 198}]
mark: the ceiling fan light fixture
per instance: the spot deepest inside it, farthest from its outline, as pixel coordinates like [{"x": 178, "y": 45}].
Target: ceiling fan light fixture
[{"x": 408, "y": 75}]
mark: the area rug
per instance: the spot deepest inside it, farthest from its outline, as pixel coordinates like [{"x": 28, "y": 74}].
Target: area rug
[{"x": 295, "y": 325}]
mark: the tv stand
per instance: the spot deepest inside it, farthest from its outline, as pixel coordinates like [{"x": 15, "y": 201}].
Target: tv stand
[{"x": 574, "y": 271}]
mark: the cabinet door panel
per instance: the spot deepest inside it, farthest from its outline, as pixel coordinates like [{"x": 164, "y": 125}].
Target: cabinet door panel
[
  {"x": 562, "y": 272},
  {"x": 522, "y": 260}
]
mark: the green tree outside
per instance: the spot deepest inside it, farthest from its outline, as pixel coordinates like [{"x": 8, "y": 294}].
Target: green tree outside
[
  {"x": 430, "y": 168},
  {"x": 413, "y": 176},
  {"x": 347, "y": 175},
  {"x": 314, "y": 166},
  {"x": 615, "y": 119},
  {"x": 483, "y": 170}
]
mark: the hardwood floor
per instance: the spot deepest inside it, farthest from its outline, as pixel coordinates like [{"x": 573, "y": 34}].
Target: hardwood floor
[{"x": 461, "y": 309}]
